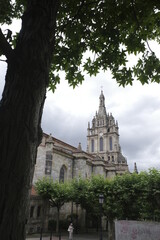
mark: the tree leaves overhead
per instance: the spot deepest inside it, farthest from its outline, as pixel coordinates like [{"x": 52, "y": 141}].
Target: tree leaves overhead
[
  {"x": 99, "y": 35},
  {"x": 6, "y": 12},
  {"x": 10, "y": 9}
]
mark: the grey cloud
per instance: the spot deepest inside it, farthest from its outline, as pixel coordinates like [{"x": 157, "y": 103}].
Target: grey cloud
[
  {"x": 65, "y": 126},
  {"x": 141, "y": 109},
  {"x": 140, "y": 132}
]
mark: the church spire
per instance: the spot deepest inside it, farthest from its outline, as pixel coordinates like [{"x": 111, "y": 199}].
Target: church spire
[
  {"x": 102, "y": 108},
  {"x": 135, "y": 168},
  {"x": 102, "y": 100}
]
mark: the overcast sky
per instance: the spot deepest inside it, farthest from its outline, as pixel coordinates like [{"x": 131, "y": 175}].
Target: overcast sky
[{"x": 136, "y": 108}]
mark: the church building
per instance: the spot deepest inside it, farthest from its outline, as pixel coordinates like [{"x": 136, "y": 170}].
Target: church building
[{"x": 61, "y": 161}]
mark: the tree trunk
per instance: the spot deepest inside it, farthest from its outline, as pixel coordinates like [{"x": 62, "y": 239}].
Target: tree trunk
[
  {"x": 20, "y": 114},
  {"x": 111, "y": 229},
  {"x": 57, "y": 225}
]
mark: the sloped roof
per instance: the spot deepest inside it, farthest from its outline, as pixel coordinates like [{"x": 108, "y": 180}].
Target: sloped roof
[{"x": 33, "y": 191}]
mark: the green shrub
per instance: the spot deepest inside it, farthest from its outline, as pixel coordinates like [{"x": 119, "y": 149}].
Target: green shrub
[{"x": 52, "y": 225}]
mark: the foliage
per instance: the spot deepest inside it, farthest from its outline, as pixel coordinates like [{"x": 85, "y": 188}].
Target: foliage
[
  {"x": 135, "y": 197},
  {"x": 127, "y": 194},
  {"x": 52, "y": 225},
  {"x": 152, "y": 195},
  {"x": 86, "y": 193},
  {"x": 98, "y": 186},
  {"x": 57, "y": 193},
  {"x": 130, "y": 196},
  {"x": 94, "y": 35},
  {"x": 81, "y": 193},
  {"x": 63, "y": 224}
]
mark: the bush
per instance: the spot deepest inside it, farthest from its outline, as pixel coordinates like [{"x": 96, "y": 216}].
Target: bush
[
  {"x": 52, "y": 225},
  {"x": 64, "y": 224}
]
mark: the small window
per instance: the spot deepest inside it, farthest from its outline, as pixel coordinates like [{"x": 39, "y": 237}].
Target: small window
[
  {"x": 101, "y": 144},
  {"x": 48, "y": 163},
  {"x": 108, "y": 158},
  {"x": 38, "y": 211},
  {"x": 49, "y": 156},
  {"x": 31, "y": 211},
  {"x": 110, "y": 143},
  {"x": 48, "y": 171},
  {"x": 92, "y": 145},
  {"x": 112, "y": 158}
]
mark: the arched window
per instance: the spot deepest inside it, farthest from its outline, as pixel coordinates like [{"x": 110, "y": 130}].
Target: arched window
[
  {"x": 92, "y": 145},
  {"x": 101, "y": 143},
  {"x": 61, "y": 175},
  {"x": 110, "y": 143}
]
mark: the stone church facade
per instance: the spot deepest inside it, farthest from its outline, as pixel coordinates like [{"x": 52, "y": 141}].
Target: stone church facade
[{"x": 61, "y": 161}]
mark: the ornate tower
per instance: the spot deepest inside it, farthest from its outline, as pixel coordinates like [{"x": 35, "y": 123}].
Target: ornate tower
[{"x": 103, "y": 136}]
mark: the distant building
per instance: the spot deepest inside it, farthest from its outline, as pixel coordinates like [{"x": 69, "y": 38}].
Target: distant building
[{"x": 61, "y": 161}]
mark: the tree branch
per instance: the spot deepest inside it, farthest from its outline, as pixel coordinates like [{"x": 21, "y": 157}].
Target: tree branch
[
  {"x": 5, "y": 47},
  {"x": 134, "y": 12},
  {"x": 149, "y": 47}
]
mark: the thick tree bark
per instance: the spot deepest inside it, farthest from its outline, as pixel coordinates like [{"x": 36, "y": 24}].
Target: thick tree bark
[{"x": 20, "y": 113}]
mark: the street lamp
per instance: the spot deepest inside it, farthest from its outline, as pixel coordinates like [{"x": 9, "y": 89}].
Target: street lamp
[{"x": 101, "y": 200}]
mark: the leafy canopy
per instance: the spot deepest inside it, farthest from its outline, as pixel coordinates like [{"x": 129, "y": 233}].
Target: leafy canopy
[
  {"x": 94, "y": 35},
  {"x": 132, "y": 196},
  {"x": 56, "y": 193}
]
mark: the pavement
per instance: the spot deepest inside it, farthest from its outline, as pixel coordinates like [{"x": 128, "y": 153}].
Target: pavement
[{"x": 82, "y": 236}]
